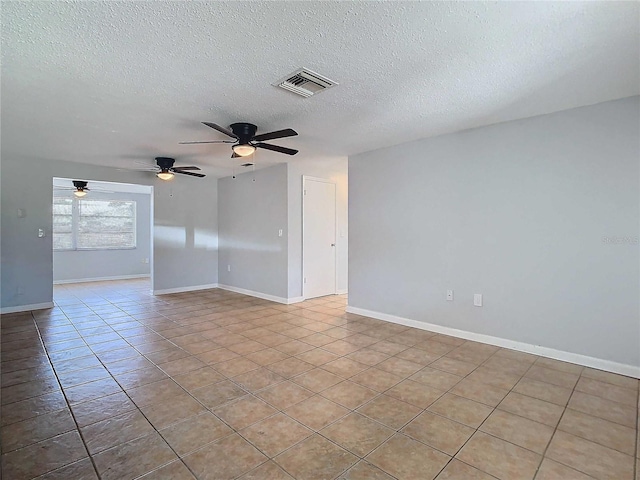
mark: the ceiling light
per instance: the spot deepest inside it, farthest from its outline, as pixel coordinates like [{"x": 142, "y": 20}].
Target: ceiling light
[
  {"x": 164, "y": 175},
  {"x": 244, "y": 150},
  {"x": 79, "y": 193}
]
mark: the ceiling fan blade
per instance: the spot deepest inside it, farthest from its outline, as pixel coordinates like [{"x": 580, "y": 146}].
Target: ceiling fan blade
[
  {"x": 220, "y": 129},
  {"x": 235, "y": 155},
  {"x": 277, "y": 148},
  {"x": 287, "y": 132},
  {"x": 189, "y": 173},
  {"x": 187, "y": 168},
  {"x": 211, "y": 141}
]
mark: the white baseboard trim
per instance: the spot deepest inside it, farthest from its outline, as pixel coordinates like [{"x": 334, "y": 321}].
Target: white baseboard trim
[
  {"x": 192, "y": 288},
  {"x": 264, "y": 296},
  {"x": 101, "y": 279},
  {"x": 597, "y": 363},
  {"x": 341, "y": 292},
  {"x": 26, "y": 308}
]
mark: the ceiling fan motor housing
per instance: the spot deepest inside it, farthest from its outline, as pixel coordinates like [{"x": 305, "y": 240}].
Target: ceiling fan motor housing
[
  {"x": 165, "y": 163},
  {"x": 80, "y": 184},
  {"x": 244, "y": 131}
]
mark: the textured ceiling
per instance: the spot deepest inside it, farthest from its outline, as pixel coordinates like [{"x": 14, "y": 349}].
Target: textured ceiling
[{"x": 107, "y": 82}]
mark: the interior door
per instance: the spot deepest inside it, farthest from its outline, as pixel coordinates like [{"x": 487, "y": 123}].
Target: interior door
[{"x": 319, "y": 237}]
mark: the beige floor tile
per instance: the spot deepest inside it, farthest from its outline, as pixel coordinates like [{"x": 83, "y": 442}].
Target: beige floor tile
[
  {"x": 115, "y": 430},
  {"x": 456, "y": 470},
  {"x": 91, "y": 390},
  {"x": 612, "y": 378},
  {"x": 603, "y": 432},
  {"x": 408, "y": 459},
  {"x": 521, "y": 431},
  {"x": 154, "y": 392},
  {"x": 345, "y": 367},
  {"x": 275, "y": 434},
  {"x": 81, "y": 470},
  {"x": 543, "y": 391},
  {"x": 438, "y": 432},
  {"x": 357, "y": 434},
  {"x": 461, "y": 410},
  {"x": 284, "y": 395},
  {"x": 349, "y": 394},
  {"x": 20, "y": 434},
  {"x": 399, "y": 366},
  {"x": 390, "y": 411},
  {"x": 267, "y": 356},
  {"x": 559, "y": 365},
  {"x": 554, "y": 377},
  {"x": 258, "y": 379},
  {"x": 550, "y": 470},
  {"x": 496, "y": 378},
  {"x": 479, "y": 392},
  {"x": 183, "y": 365},
  {"x": 244, "y": 412},
  {"x": 507, "y": 365},
  {"x": 368, "y": 356},
  {"x": 532, "y": 408},
  {"x": 212, "y": 396},
  {"x": 174, "y": 409},
  {"x": 317, "y": 357},
  {"x": 436, "y": 378},
  {"x": 290, "y": 367},
  {"x": 32, "y": 407},
  {"x": 316, "y": 412},
  {"x": 198, "y": 378},
  {"x": 415, "y": 393},
  {"x": 501, "y": 459},
  {"x": 364, "y": 470},
  {"x": 195, "y": 432},
  {"x": 602, "y": 408},
  {"x": 376, "y": 379},
  {"x": 225, "y": 459},
  {"x": 218, "y": 355},
  {"x": 590, "y": 458},
  {"x": 42, "y": 457},
  {"x": 626, "y": 396},
  {"x": 175, "y": 470},
  {"x": 317, "y": 380},
  {"x": 237, "y": 366},
  {"x": 451, "y": 365},
  {"x": 267, "y": 471},
  {"x": 137, "y": 378},
  {"x": 315, "y": 458}
]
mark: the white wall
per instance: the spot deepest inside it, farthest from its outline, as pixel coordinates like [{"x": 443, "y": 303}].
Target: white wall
[
  {"x": 517, "y": 212},
  {"x": 79, "y": 265},
  {"x": 185, "y": 241},
  {"x": 336, "y": 170},
  {"x": 250, "y": 213}
]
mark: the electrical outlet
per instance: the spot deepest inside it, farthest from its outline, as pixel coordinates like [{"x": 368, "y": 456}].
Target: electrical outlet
[
  {"x": 449, "y": 295},
  {"x": 477, "y": 299},
  {"x": 280, "y": 232},
  {"x": 228, "y": 268}
]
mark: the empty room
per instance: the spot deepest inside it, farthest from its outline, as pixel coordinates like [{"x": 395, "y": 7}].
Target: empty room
[{"x": 348, "y": 240}]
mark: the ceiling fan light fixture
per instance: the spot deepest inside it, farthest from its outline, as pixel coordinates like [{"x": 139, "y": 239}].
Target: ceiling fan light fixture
[
  {"x": 79, "y": 193},
  {"x": 244, "y": 150},
  {"x": 165, "y": 175}
]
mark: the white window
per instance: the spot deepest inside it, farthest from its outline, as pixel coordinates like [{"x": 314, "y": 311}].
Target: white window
[{"x": 83, "y": 224}]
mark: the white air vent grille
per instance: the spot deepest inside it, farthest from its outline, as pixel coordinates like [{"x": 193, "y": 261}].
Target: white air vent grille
[{"x": 305, "y": 82}]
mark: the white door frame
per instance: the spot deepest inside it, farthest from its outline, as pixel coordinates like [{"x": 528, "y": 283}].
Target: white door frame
[{"x": 335, "y": 209}]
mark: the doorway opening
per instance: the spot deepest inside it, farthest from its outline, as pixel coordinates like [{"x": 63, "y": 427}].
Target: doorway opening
[{"x": 101, "y": 231}]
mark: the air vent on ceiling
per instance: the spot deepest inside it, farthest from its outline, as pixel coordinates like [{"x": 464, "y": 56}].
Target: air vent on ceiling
[{"x": 305, "y": 82}]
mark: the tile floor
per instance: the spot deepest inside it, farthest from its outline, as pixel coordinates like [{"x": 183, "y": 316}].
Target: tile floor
[{"x": 114, "y": 383}]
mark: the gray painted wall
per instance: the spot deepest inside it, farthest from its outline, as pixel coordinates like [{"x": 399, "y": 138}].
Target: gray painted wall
[
  {"x": 185, "y": 242},
  {"x": 87, "y": 264},
  {"x": 250, "y": 213},
  {"x": 517, "y": 212},
  {"x": 335, "y": 169}
]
